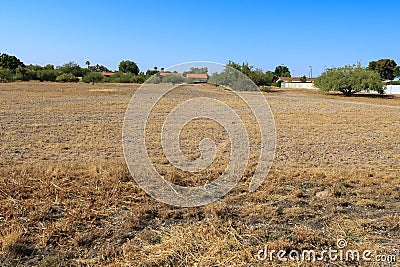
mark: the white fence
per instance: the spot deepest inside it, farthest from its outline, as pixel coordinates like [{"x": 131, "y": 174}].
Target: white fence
[
  {"x": 393, "y": 89},
  {"x": 390, "y": 89},
  {"x": 298, "y": 85}
]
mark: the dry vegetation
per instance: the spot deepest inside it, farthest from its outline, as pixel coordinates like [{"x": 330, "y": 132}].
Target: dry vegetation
[{"x": 67, "y": 198}]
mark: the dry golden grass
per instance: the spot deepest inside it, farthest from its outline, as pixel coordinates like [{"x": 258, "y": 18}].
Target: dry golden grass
[{"x": 67, "y": 198}]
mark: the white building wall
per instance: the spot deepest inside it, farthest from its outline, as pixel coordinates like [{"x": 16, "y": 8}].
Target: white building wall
[
  {"x": 390, "y": 89},
  {"x": 393, "y": 89},
  {"x": 298, "y": 85}
]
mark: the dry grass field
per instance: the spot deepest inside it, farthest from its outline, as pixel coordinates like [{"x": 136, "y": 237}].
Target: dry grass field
[{"x": 68, "y": 199}]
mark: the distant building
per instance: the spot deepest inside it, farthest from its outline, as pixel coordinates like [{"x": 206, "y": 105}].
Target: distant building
[
  {"x": 107, "y": 74},
  {"x": 197, "y": 77},
  {"x": 296, "y": 82}
]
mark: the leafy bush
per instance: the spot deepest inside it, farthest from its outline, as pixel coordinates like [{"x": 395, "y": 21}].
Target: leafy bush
[
  {"x": 73, "y": 68},
  {"x": 6, "y": 75},
  {"x": 92, "y": 78},
  {"x": 154, "y": 79},
  {"x": 48, "y": 75},
  {"x": 140, "y": 79},
  {"x": 174, "y": 79},
  {"x": 25, "y": 74},
  {"x": 66, "y": 77},
  {"x": 120, "y": 77},
  {"x": 394, "y": 82},
  {"x": 233, "y": 79}
]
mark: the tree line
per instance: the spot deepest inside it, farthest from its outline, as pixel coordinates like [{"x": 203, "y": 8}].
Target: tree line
[
  {"x": 348, "y": 79},
  {"x": 13, "y": 69}
]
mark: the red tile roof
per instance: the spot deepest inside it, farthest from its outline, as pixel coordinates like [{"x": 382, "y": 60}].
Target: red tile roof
[
  {"x": 107, "y": 74},
  {"x": 196, "y": 76}
]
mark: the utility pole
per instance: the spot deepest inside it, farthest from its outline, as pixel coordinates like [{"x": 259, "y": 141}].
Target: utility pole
[{"x": 310, "y": 71}]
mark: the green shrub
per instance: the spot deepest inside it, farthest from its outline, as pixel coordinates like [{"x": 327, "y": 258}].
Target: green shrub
[
  {"x": 174, "y": 79},
  {"x": 48, "y": 75},
  {"x": 154, "y": 79},
  {"x": 92, "y": 78},
  {"x": 66, "y": 77},
  {"x": 6, "y": 75}
]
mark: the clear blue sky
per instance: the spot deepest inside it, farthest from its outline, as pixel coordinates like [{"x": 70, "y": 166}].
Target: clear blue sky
[{"x": 164, "y": 33}]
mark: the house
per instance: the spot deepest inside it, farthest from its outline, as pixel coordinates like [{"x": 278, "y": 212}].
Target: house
[
  {"x": 107, "y": 74},
  {"x": 197, "y": 77},
  {"x": 297, "y": 82}
]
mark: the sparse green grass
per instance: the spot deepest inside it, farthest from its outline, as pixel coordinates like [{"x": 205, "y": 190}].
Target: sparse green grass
[{"x": 67, "y": 198}]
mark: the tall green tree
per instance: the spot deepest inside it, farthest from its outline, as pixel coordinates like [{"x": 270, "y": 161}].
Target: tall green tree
[
  {"x": 385, "y": 67},
  {"x": 49, "y": 67},
  {"x": 73, "y": 68},
  {"x": 282, "y": 71},
  {"x": 128, "y": 66},
  {"x": 349, "y": 80},
  {"x": 10, "y": 62},
  {"x": 397, "y": 72},
  {"x": 98, "y": 68},
  {"x": 197, "y": 70}
]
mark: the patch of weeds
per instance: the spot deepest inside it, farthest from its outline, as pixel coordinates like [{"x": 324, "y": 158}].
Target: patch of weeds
[{"x": 306, "y": 185}]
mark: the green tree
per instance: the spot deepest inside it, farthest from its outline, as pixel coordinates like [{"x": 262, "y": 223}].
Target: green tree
[
  {"x": 128, "y": 66},
  {"x": 260, "y": 78},
  {"x": 48, "y": 67},
  {"x": 245, "y": 68},
  {"x": 282, "y": 71},
  {"x": 93, "y": 77},
  {"x": 48, "y": 75},
  {"x": 397, "y": 72},
  {"x": 232, "y": 78},
  {"x": 151, "y": 72},
  {"x": 24, "y": 74},
  {"x": 154, "y": 79},
  {"x": 6, "y": 75},
  {"x": 10, "y": 62},
  {"x": 87, "y": 63},
  {"x": 349, "y": 80},
  {"x": 172, "y": 78},
  {"x": 255, "y": 74},
  {"x": 73, "y": 68},
  {"x": 197, "y": 70},
  {"x": 303, "y": 79},
  {"x": 34, "y": 67},
  {"x": 98, "y": 68},
  {"x": 385, "y": 67}
]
